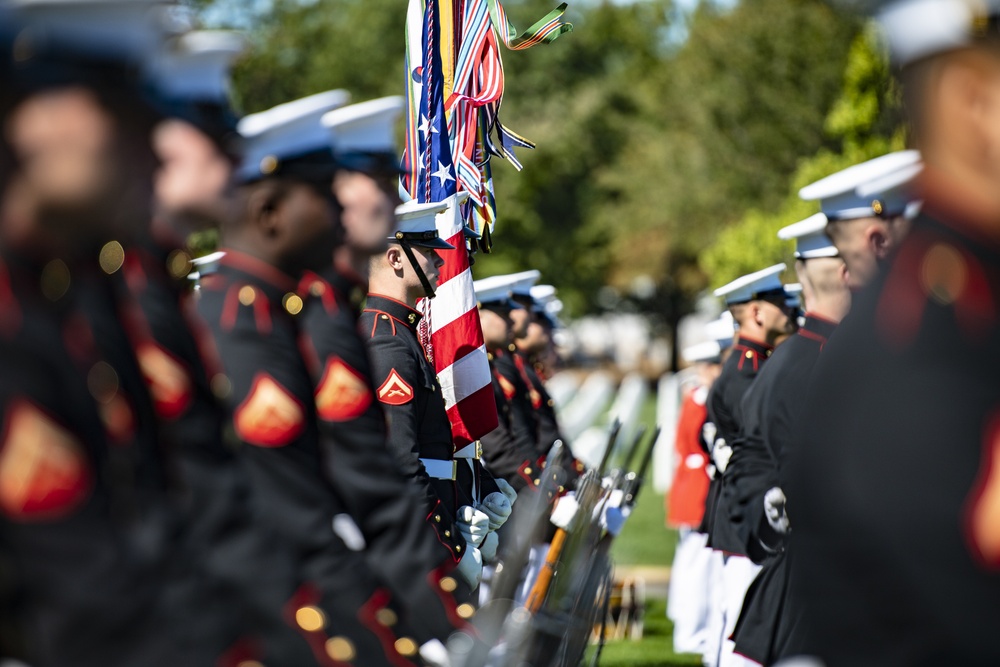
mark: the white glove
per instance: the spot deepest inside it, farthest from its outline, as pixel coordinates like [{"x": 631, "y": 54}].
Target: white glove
[
  {"x": 347, "y": 530},
  {"x": 694, "y": 461},
  {"x": 708, "y": 433},
  {"x": 470, "y": 568},
  {"x": 776, "y": 511},
  {"x": 507, "y": 490},
  {"x": 472, "y": 524},
  {"x": 564, "y": 511},
  {"x": 612, "y": 520},
  {"x": 497, "y": 507},
  {"x": 721, "y": 453},
  {"x": 488, "y": 548},
  {"x": 434, "y": 654}
]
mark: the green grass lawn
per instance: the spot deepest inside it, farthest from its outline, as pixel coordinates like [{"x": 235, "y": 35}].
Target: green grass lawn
[
  {"x": 656, "y": 649},
  {"x": 646, "y": 540}
]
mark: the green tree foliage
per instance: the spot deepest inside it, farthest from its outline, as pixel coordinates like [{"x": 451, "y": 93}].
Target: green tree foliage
[
  {"x": 580, "y": 99},
  {"x": 305, "y": 48},
  {"x": 648, "y": 147},
  {"x": 865, "y": 121},
  {"x": 646, "y": 150}
]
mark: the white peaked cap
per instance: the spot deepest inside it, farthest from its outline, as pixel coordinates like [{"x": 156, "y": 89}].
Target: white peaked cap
[
  {"x": 722, "y": 330},
  {"x": 285, "y": 132},
  {"x": 838, "y": 193},
  {"x": 131, "y": 30},
  {"x": 417, "y": 224},
  {"x": 311, "y": 107},
  {"x": 748, "y": 287},
  {"x": 709, "y": 350},
  {"x": 366, "y": 127},
  {"x": 916, "y": 29},
  {"x": 542, "y": 295},
  {"x": 198, "y": 65},
  {"x": 524, "y": 281},
  {"x": 895, "y": 191},
  {"x": 793, "y": 295},
  {"x": 810, "y": 237},
  {"x": 500, "y": 288}
]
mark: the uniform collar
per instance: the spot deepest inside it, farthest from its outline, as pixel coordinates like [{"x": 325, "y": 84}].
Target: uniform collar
[
  {"x": 762, "y": 349},
  {"x": 272, "y": 280},
  {"x": 332, "y": 287},
  {"x": 348, "y": 287},
  {"x": 817, "y": 327},
  {"x": 397, "y": 310}
]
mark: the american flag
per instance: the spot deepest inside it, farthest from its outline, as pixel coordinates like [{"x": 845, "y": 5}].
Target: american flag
[{"x": 454, "y": 87}]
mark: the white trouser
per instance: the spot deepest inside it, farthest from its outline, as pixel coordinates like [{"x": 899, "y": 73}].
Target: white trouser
[
  {"x": 716, "y": 621},
  {"x": 737, "y": 575},
  {"x": 690, "y": 587}
]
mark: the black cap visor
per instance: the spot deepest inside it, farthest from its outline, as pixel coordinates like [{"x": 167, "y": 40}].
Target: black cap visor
[{"x": 428, "y": 239}]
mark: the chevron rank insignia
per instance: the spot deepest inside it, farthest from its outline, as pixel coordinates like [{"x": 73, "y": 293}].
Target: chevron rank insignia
[
  {"x": 270, "y": 416},
  {"x": 169, "y": 384},
  {"x": 395, "y": 391},
  {"x": 342, "y": 394},
  {"x": 44, "y": 472},
  {"x": 984, "y": 509},
  {"x": 508, "y": 387},
  {"x": 119, "y": 418}
]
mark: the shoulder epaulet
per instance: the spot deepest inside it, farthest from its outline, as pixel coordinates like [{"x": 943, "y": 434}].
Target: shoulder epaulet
[
  {"x": 931, "y": 270},
  {"x": 749, "y": 359},
  {"x": 312, "y": 286},
  {"x": 381, "y": 318},
  {"x": 246, "y": 297}
]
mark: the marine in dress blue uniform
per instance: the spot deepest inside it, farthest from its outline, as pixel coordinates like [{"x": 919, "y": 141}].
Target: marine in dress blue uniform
[
  {"x": 894, "y": 499},
  {"x": 400, "y": 545},
  {"x": 419, "y": 433},
  {"x": 768, "y": 628},
  {"x": 288, "y": 225},
  {"x": 511, "y": 450},
  {"x": 88, "y": 522},
  {"x": 242, "y": 573},
  {"x": 758, "y": 304}
]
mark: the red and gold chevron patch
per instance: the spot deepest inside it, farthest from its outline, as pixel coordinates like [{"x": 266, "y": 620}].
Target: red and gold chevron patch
[
  {"x": 270, "y": 416},
  {"x": 342, "y": 394},
  {"x": 508, "y": 387},
  {"x": 44, "y": 472},
  {"x": 169, "y": 384},
  {"x": 395, "y": 390}
]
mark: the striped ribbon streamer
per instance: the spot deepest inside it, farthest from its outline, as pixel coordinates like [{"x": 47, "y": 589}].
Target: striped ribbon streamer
[{"x": 545, "y": 30}]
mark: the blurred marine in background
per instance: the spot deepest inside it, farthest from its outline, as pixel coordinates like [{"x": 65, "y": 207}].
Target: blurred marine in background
[{"x": 894, "y": 491}]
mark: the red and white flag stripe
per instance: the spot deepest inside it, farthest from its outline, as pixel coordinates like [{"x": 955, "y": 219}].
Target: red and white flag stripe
[{"x": 456, "y": 337}]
